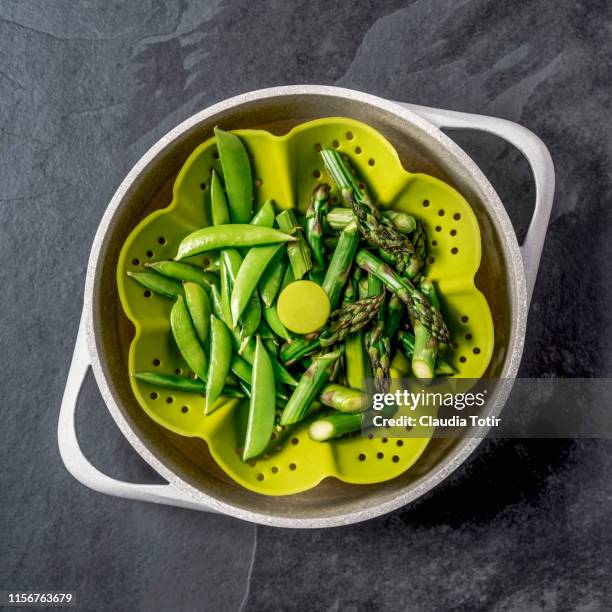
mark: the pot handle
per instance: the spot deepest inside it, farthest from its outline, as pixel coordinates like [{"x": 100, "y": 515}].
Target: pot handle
[
  {"x": 76, "y": 462},
  {"x": 539, "y": 159}
]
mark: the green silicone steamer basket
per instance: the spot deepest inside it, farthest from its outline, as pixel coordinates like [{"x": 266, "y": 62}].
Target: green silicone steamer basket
[
  {"x": 409, "y": 164},
  {"x": 285, "y": 169}
]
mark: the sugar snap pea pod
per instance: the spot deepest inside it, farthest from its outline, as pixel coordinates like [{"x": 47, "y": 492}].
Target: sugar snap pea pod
[
  {"x": 212, "y": 263},
  {"x": 218, "y": 203},
  {"x": 270, "y": 345},
  {"x": 298, "y": 251},
  {"x": 187, "y": 340},
  {"x": 157, "y": 283},
  {"x": 249, "y": 322},
  {"x": 248, "y": 277},
  {"x": 237, "y": 175},
  {"x": 198, "y": 305},
  {"x": 281, "y": 397},
  {"x": 272, "y": 278},
  {"x": 340, "y": 265},
  {"x": 241, "y": 369},
  {"x": 184, "y": 272},
  {"x": 226, "y": 288},
  {"x": 265, "y": 331},
  {"x": 280, "y": 371},
  {"x": 182, "y": 383},
  {"x": 215, "y": 302},
  {"x": 262, "y": 404},
  {"x": 273, "y": 320},
  {"x": 215, "y": 237},
  {"x": 264, "y": 217},
  {"x": 309, "y": 387},
  {"x": 219, "y": 362},
  {"x": 251, "y": 318}
]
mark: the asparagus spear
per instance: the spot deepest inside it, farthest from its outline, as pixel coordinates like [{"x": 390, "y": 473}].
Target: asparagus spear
[
  {"x": 350, "y": 318},
  {"x": 395, "y": 309},
  {"x": 334, "y": 426},
  {"x": 376, "y": 230},
  {"x": 442, "y": 367},
  {"x": 314, "y": 230},
  {"x": 354, "y": 349},
  {"x": 339, "y": 218},
  {"x": 340, "y": 265},
  {"x": 418, "y": 305},
  {"x": 299, "y": 253},
  {"x": 429, "y": 291},
  {"x": 308, "y": 388},
  {"x": 424, "y": 355},
  {"x": 378, "y": 346},
  {"x": 419, "y": 240},
  {"x": 425, "y": 345},
  {"x": 343, "y": 398}
]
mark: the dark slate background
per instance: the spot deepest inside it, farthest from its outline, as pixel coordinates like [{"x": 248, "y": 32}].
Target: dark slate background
[{"x": 87, "y": 87}]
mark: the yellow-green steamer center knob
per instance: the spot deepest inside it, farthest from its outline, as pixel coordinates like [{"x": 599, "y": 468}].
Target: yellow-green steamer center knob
[{"x": 303, "y": 307}]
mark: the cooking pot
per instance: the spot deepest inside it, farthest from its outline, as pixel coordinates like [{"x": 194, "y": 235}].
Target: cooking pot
[{"x": 506, "y": 276}]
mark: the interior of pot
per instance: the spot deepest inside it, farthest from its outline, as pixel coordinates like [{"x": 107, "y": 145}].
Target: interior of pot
[{"x": 188, "y": 458}]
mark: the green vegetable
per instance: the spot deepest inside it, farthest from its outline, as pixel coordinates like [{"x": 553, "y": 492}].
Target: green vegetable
[
  {"x": 271, "y": 317},
  {"x": 377, "y": 344},
  {"x": 262, "y": 404},
  {"x": 249, "y": 321},
  {"x": 198, "y": 305},
  {"x": 334, "y": 426},
  {"x": 241, "y": 368},
  {"x": 237, "y": 175},
  {"x": 375, "y": 229},
  {"x": 220, "y": 360},
  {"x": 211, "y": 263},
  {"x": 314, "y": 230},
  {"x": 280, "y": 372},
  {"x": 184, "y": 272},
  {"x": 161, "y": 285},
  {"x": 348, "y": 319},
  {"x": 299, "y": 253},
  {"x": 218, "y": 203},
  {"x": 248, "y": 277},
  {"x": 339, "y": 218},
  {"x": 216, "y": 237},
  {"x": 309, "y": 387},
  {"x": 357, "y": 369},
  {"x": 272, "y": 278},
  {"x": 343, "y": 398},
  {"x": 340, "y": 265},
  {"x": 264, "y": 217},
  {"x": 442, "y": 368},
  {"x": 418, "y": 305},
  {"x": 182, "y": 383},
  {"x": 395, "y": 310},
  {"x": 187, "y": 340},
  {"x": 424, "y": 355},
  {"x": 425, "y": 345}
]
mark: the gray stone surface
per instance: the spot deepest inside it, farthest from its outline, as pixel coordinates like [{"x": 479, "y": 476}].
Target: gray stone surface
[{"x": 87, "y": 87}]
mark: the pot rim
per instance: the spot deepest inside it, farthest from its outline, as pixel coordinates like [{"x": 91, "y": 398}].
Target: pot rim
[{"x": 458, "y": 455}]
